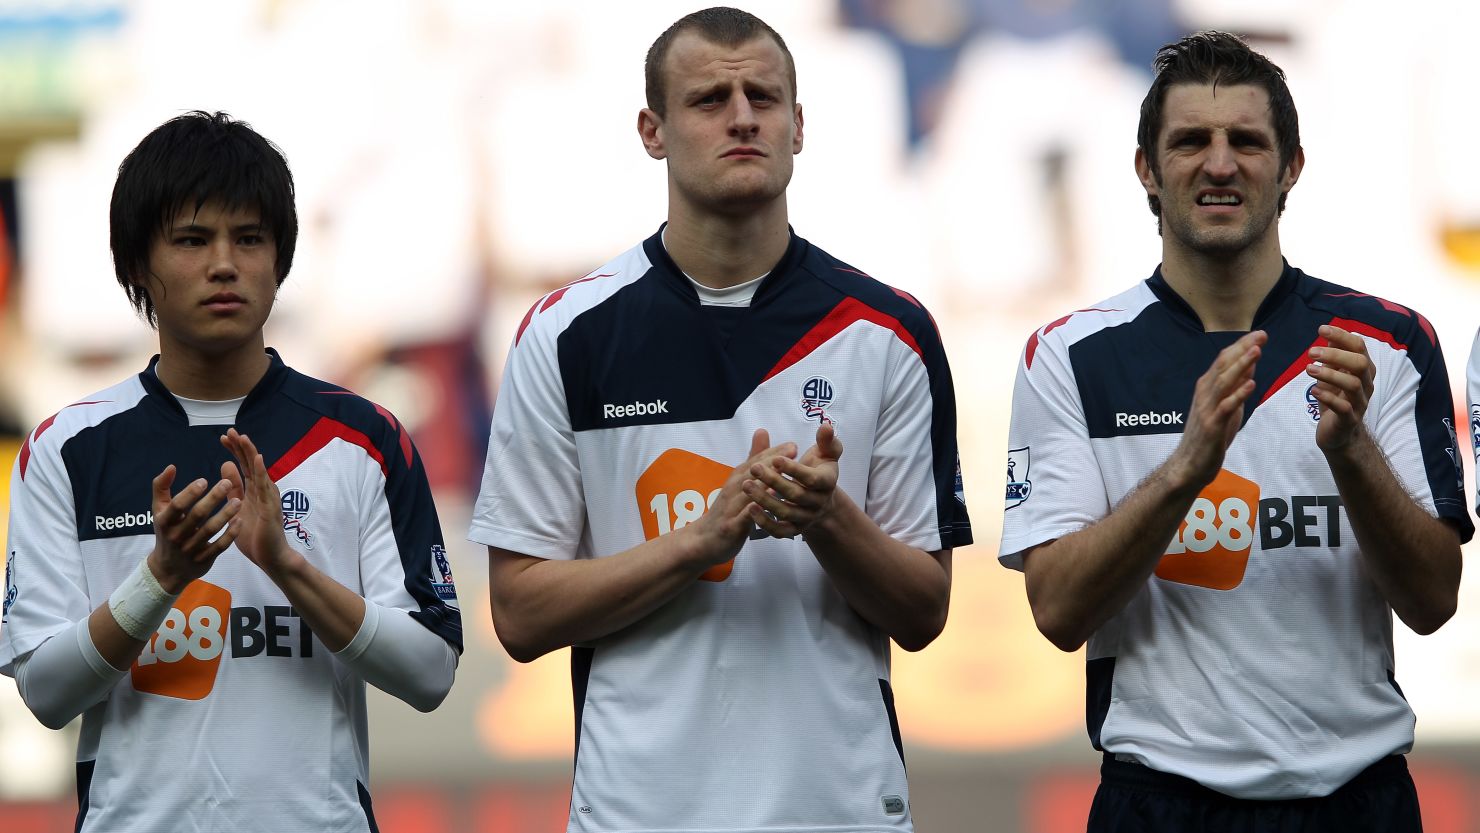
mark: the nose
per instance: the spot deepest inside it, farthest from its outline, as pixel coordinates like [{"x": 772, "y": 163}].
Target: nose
[
  {"x": 223, "y": 260},
  {"x": 1220, "y": 163},
  {"x": 743, "y": 121}
]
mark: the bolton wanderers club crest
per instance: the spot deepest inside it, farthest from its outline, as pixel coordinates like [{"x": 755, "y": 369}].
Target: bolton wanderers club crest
[
  {"x": 817, "y": 396},
  {"x": 1018, "y": 484},
  {"x": 1312, "y": 404},
  {"x": 295, "y": 510}
]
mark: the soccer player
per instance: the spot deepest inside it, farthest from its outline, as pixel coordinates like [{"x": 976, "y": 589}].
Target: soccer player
[
  {"x": 723, "y": 467},
  {"x": 209, "y": 559},
  {"x": 1227, "y": 479}
]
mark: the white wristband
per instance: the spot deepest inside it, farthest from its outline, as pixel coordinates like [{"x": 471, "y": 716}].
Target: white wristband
[{"x": 140, "y": 604}]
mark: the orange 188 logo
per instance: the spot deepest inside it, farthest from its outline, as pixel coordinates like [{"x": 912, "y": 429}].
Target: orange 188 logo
[
  {"x": 182, "y": 657},
  {"x": 675, "y": 491},
  {"x": 1212, "y": 545}
]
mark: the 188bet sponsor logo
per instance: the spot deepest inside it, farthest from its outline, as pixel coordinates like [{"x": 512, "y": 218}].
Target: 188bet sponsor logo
[
  {"x": 676, "y": 490},
  {"x": 1211, "y": 546},
  {"x": 182, "y": 658}
]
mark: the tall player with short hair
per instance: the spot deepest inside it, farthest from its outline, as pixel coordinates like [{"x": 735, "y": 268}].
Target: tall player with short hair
[
  {"x": 217, "y": 639},
  {"x": 723, "y": 467},
  {"x": 1227, "y": 479}
]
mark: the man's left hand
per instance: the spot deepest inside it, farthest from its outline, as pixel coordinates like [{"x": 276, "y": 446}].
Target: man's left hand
[
  {"x": 1343, "y": 372},
  {"x": 260, "y": 521},
  {"x": 790, "y": 496}
]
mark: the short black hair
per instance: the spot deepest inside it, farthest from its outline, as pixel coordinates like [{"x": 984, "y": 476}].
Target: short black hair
[
  {"x": 1216, "y": 58},
  {"x": 722, "y": 25},
  {"x": 193, "y": 159}
]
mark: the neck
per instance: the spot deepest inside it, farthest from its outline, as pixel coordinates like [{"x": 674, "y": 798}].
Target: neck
[
  {"x": 211, "y": 376},
  {"x": 1224, "y": 291},
  {"x": 721, "y": 251}
]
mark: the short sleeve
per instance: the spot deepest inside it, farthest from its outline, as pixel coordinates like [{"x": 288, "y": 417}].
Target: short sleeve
[
  {"x": 45, "y": 585},
  {"x": 531, "y": 499},
  {"x": 1054, "y": 484}
]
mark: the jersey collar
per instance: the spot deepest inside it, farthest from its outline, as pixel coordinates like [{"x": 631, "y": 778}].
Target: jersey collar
[
  {"x": 657, "y": 254},
  {"x": 277, "y": 371},
  {"x": 1289, "y": 277}
]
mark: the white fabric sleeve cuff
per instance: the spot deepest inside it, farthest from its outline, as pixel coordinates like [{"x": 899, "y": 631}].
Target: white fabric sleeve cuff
[
  {"x": 64, "y": 677},
  {"x": 397, "y": 655}
]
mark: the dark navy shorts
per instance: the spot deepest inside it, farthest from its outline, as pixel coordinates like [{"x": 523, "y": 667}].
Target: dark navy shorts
[{"x": 1137, "y": 799}]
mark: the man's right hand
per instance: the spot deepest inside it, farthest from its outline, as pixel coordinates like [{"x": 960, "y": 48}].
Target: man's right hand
[
  {"x": 186, "y": 527},
  {"x": 1217, "y": 412},
  {"x": 723, "y": 529}
]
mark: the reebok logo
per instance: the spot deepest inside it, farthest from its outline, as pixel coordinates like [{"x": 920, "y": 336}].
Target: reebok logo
[
  {"x": 1123, "y": 419},
  {"x": 124, "y": 521},
  {"x": 659, "y": 406}
]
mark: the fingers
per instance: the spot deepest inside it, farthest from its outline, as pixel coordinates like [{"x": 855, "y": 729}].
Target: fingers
[{"x": 195, "y": 516}]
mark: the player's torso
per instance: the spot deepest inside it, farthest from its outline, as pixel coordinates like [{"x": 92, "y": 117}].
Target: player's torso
[
  {"x": 761, "y": 667},
  {"x": 234, "y": 693}
]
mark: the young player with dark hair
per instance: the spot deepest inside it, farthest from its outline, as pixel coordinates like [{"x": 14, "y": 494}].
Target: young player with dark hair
[{"x": 216, "y": 639}]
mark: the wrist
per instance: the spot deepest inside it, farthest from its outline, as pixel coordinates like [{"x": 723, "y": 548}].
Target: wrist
[
  {"x": 163, "y": 578},
  {"x": 141, "y": 602}
]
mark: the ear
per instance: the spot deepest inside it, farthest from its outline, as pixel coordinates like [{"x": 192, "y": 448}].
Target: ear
[
  {"x": 1143, "y": 173},
  {"x": 650, "y": 128},
  {"x": 796, "y": 140},
  {"x": 1292, "y": 171}
]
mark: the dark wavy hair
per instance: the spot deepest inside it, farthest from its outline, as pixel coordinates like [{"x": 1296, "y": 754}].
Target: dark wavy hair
[
  {"x": 193, "y": 159},
  {"x": 1215, "y": 58}
]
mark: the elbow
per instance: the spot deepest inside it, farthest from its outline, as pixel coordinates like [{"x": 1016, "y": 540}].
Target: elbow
[
  {"x": 428, "y": 701},
  {"x": 1064, "y": 634},
  {"x": 1432, "y": 617},
  {"x": 929, "y": 626},
  {"x": 51, "y": 718},
  {"x": 521, "y": 646}
]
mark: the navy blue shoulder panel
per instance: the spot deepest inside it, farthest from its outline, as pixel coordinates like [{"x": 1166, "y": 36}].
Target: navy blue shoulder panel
[
  {"x": 648, "y": 356},
  {"x": 289, "y": 417},
  {"x": 917, "y": 329},
  {"x": 1434, "y": 412},
  {"x": 321, "y": 412}
]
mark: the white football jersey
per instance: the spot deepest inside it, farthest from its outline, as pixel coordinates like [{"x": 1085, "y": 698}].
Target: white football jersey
[
  {"x": 1258, "y": 660},
  {"x": 756, "y": 700},
  {"x": 234, "y": 717}
]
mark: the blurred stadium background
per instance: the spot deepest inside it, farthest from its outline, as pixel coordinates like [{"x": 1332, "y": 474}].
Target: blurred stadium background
[{"x": 458, "y": 158}]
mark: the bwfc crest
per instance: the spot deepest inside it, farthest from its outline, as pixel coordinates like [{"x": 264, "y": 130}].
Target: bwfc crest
[
  {"x": 11, "y": 591},
  {"x": 817, "y": 396},
  {"x": 295, "y": 509},
  {"x": 1312, "y": 404},
  {"x": 1018, "y": 484}
]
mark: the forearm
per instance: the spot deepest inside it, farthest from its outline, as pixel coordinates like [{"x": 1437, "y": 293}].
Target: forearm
[
  {"x": 904, "y": 591},
  {"x": 394, "y": 653},
  {"x": 1412, "y": 557},
  {"x": 1078, "y": 582},
  {"x": 66, "y": 675},
  {"x": 541, "y": 605},
  {"x": 332, "y": 611}
]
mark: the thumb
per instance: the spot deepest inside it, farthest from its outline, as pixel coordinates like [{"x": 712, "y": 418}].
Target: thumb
[{"x": 828, "y": 444}]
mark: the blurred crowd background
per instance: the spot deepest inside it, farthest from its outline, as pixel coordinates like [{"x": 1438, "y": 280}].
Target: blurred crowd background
[{"x": 456, "y": 159}]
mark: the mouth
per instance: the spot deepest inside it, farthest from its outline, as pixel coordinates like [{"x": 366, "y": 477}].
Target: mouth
[
  {"x": 1219, "y": 199},
  {"x": 743, "y": 152},
  {"x": 224, "y": 302}
]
